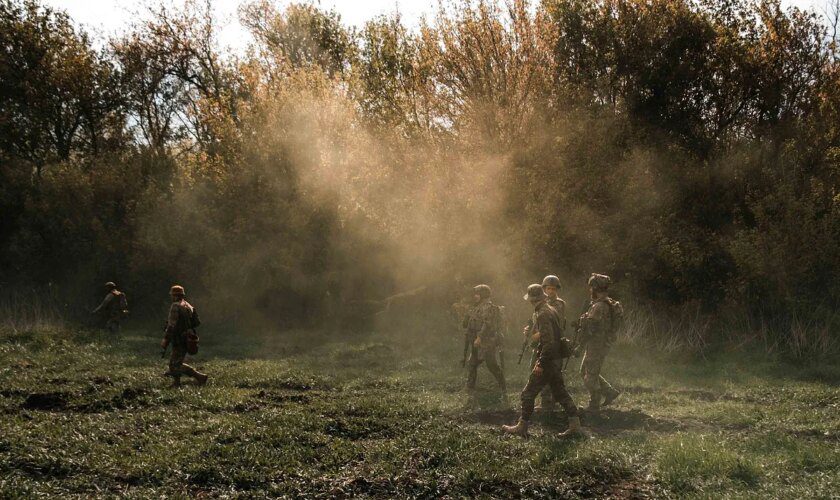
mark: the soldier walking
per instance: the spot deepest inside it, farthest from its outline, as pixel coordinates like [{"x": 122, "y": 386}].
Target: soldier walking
[
  {"x": 112, "y": 308},
  {"x": 483, "y": 339},
  {"x": 181, "y": 320},
  {"x": 547, "y": 332},
  {"x": 599, "y": 325},
  {"x": 551, "y": 287}
]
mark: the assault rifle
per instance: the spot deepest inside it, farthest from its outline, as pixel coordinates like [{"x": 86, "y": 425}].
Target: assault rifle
[{"x": 522, "y": 352}]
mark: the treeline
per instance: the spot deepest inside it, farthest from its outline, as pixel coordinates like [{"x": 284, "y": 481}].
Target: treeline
[{"x": 689, "y": 149}]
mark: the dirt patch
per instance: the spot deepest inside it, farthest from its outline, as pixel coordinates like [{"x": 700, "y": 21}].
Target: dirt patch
[{"x": 46, "y": 401}]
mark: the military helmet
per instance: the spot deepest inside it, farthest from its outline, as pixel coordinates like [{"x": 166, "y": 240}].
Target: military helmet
[
  {"x": 110, "y": 285},
  {"x": 483, "y": 291},
  {"x": 551, "y": 280},
  {"x": 535, "y": 292},
  {"x": 177, "y": 290},
  {"x": 599, "y": 281}
]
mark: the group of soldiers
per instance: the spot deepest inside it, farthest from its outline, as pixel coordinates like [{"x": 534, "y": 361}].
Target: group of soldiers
[
  {"x": 179, "y": 329},
  {"x": 545, "y": 332}
]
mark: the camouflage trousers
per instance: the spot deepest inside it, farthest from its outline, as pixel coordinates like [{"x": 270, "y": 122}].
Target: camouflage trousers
[
  {"x": 177, "y": 367},
  {"x": 590, "y": 370},
  {"x": 545, "y": 395},
  {"x": 112, "y": 325},
  {"x": 488, "y": 357},
  {"x": 552, "y": 377}
]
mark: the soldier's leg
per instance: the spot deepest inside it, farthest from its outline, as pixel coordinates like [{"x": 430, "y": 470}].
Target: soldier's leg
[
  {"x": 591, "y": 370},
  {"x": 529, "y": 394},
  {"x": 176, "y": 360},
  {"x": 472, "y": 369},
  {"x": 546, "y": 402},
  {"x": 557, "y": 386},
  {"x": 493, "y": 366}
]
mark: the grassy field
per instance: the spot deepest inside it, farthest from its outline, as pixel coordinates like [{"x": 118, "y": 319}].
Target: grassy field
[{"x": 304, "y": 415}]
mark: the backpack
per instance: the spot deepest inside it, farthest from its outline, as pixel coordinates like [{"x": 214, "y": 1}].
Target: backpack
[
  {"x": 616, "y": 319},
  {"x": 123, "y": 304},
  {"x": 191, "y": 336}
]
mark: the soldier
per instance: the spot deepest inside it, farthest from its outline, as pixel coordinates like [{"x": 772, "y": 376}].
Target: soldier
[
  {"x": 182, "y": 318},
  {"x": 598, "y": 328},
  {"x": 551, "y": 286},
  {"x": 483, "y": 339},
  {"x": 547, "y": 332},
  {"x": 112, "y": 309}
]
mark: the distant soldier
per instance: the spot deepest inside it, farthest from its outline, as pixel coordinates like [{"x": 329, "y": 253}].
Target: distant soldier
[
  {"x": 547, "y": 332},
  {"x": 112, "y": 309},
  {"x": 551, "y": 286},
  {"x": 483, "y": 339},
  {"x": 181, "y": 320},
  {"x": 599, "y": 326}
]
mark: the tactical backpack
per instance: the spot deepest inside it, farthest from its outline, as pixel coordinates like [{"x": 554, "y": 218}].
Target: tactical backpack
[
  {"x": 192, "y": 337},
  {"x": 616, "y": 319},
  {"x": 123, "y": 304}
]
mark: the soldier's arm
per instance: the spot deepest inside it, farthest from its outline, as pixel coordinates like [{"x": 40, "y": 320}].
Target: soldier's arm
[
  {"x": 171, "y": 321},
  {"x": 105, "y": 302},
  {"x": 543, "y": 325}
]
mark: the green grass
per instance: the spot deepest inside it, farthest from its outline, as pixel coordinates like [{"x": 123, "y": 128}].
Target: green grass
[{"x": 304, "y": 414}]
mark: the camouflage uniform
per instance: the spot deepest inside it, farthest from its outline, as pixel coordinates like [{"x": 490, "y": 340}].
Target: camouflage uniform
[
  {"x": 558, "y": 305},
  {"x": 548, "y": 323},
  {"x": 598, "y": 330},
  {"x": 482, "y": 322},
  {"x": 111, "y": 310},
  {"x": 178, "y": 324}
]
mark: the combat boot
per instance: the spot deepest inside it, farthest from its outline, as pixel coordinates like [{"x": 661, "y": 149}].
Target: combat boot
[
  {"x": 610, "y": 397},
  {"x": 574, "y": 429},
  {"x": 201, "y": 379},
  {"x": 520, "y": 429}
]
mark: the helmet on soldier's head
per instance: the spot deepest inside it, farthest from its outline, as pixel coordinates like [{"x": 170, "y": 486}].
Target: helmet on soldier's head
[
  {"x": 110, "y": 285},
  {"x": 177, "y": 290},
  {"x": 551, "y": 280},
  {"x": 599, "y": 282},
  {"x": 483, "y": 291},
  {"x": 535, "y": 292}
]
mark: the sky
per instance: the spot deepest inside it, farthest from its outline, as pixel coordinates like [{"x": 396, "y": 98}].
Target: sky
[{"x": 103, "y": 18}]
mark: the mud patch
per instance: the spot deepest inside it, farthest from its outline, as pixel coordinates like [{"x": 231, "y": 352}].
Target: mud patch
[{"x": 46, "y": 401}]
